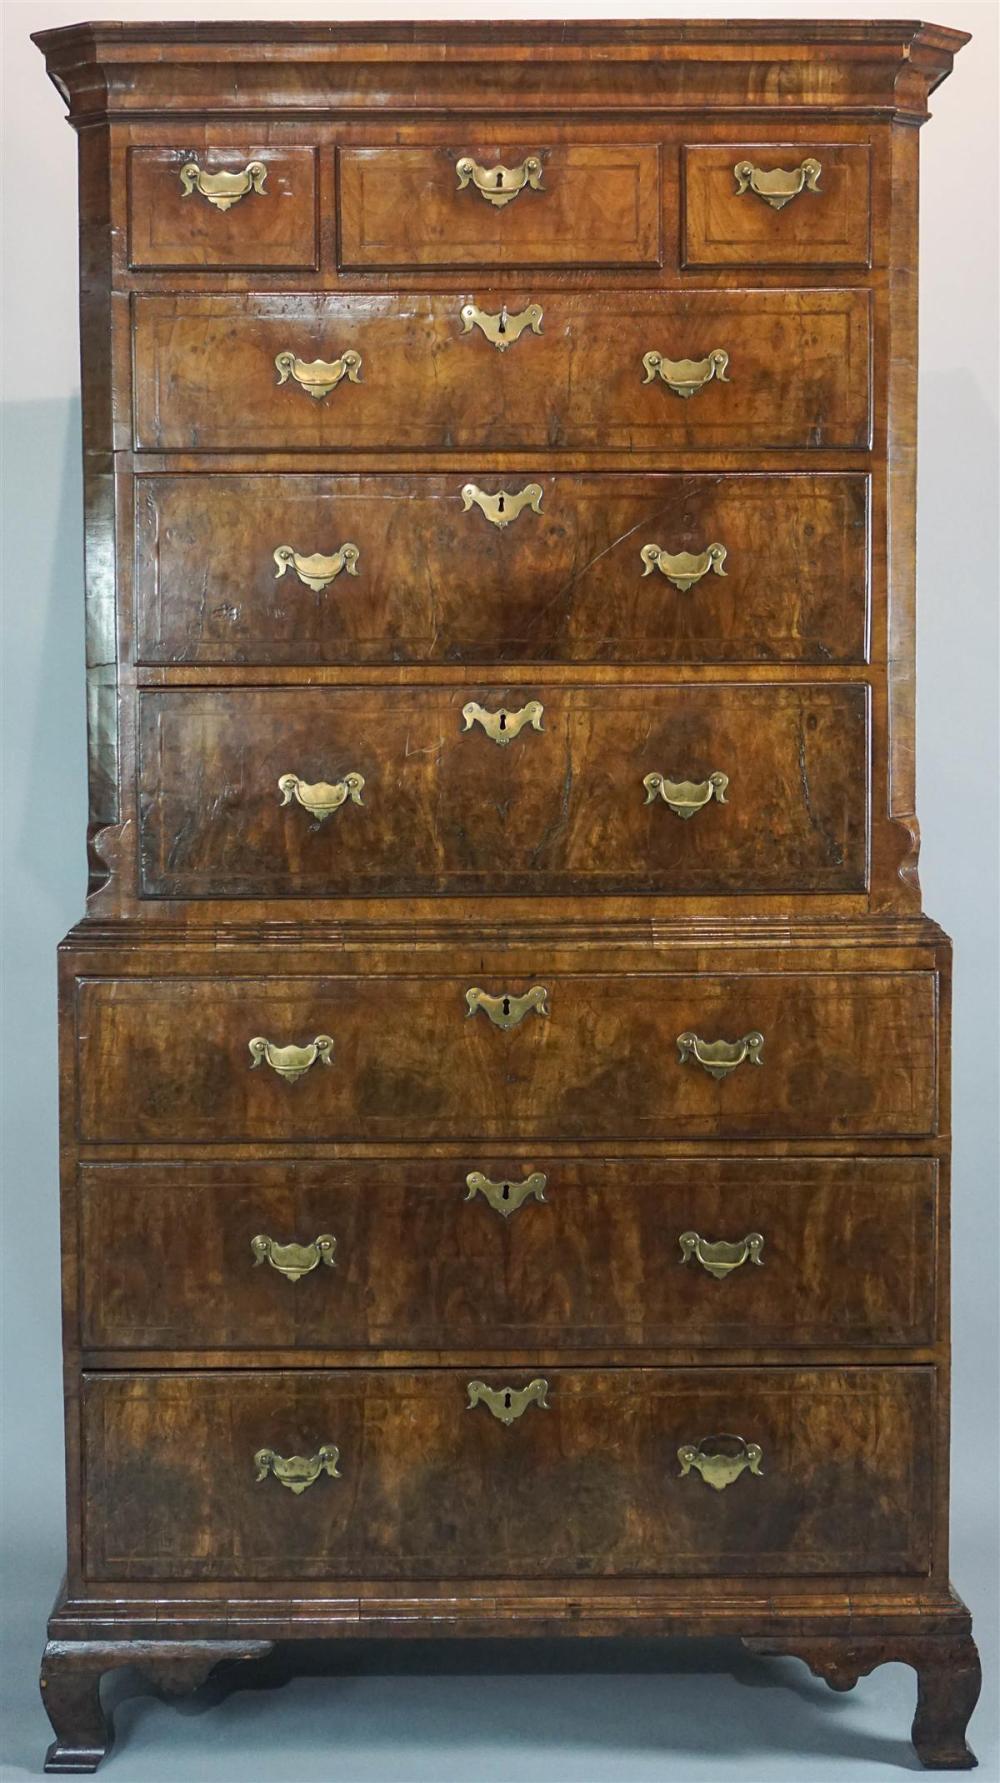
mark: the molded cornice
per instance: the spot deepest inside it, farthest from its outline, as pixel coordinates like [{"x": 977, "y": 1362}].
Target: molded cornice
[{"x": 885, "y": 68}]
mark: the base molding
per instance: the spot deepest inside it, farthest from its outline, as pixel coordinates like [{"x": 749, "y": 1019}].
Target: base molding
[{"x": 841, "y": 1637}]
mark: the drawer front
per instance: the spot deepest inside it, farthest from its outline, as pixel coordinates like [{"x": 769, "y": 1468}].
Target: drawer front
[
  {"x": 251, "y": 207},
  {"x": 588, "y": 1484},
  {"x": 758, "y": 218},
  {"x": 436, "y": 580},
  {"x": 558, "y": 801},
  {"x": 843, "y": 1054},
  {"x": 533, "y": 1253},
  {"x": 594, "y": 204},
  {"x": 205, "y": 373}
]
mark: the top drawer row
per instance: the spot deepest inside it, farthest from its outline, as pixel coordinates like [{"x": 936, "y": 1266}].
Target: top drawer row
[{"x": 435, "y": 208}]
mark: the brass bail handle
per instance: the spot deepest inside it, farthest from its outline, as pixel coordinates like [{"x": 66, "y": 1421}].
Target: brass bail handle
[
  {"x": 685, "y": 377},
  {"x": 720, "y": 1057},
  {"x": 721, "y": 1258},
  {"x": 223, "y": 190},
  {"x": 297, "y": 1472},
  {"x": 779, "y": 185},
  {"x": 290, "y": 1062},
  {"x": 293, "y": 1261},
  {"x": 317, "y": 377},
  {"x": 685, "y": 797},
  {"x": 721, "y": 1459}
]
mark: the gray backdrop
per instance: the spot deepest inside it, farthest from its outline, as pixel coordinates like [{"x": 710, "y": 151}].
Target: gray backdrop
[{"x": 694, "y": 1714}]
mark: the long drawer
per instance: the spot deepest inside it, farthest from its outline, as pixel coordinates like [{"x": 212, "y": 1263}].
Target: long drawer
[
  {"x": 602, "y": 568},
  {"x": 589, "y": 1056},
  {"x": 470, "y": 1254},
  {"x": 400, "y": 1476},
  {"x": 227, "y": 372},
  {"x": 504, "y": 789}
]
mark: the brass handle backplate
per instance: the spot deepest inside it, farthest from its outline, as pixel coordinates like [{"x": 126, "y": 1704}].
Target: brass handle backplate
[
  {"x": 719, "y": 1057},
  {"x": 223, "y": 189},
  {"x": 684, "y": 569},
  {"x": 502, "y": 508},
  {"x": 503, "y": 726},
  {"x": 685, "y": 797},
  {"x": 506, "y": 1197},
  {"x": 291, "y": 1062},
  {"x": 293, "y": 1261},
  {"x": 685, "y": 377},
  {"x": 503, "y": 329},
  {"x": 720, "y": 1459},
  {"x": 316, "y": 571},
  {"x": 720, "y": 1259},
  {"x": 508, "y": 1403},
  {"x": 321, "y": 797},
  {"x": 507, "y": 1010},
  {"x": 499, "y": 185},
  {"x": 778, "y": 187},
  {"x": 298, "y": 1471},
  {"x": 319, "y": 376}
]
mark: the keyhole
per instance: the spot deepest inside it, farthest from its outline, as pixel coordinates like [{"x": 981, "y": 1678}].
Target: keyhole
[
  {"x": 502, "y": 326},
  {"x": 499, "y": 182},
  {"x": 506, "y": 1402},
  {"x": 506, "y": 1006},
  {"x": 503, "y": 721},
  {"x": 505, "y": 1192},
  {"x": 499, "y": 504}
]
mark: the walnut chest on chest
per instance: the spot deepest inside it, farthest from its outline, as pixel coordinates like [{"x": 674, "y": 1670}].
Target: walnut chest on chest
[{"x": 505, "y": 1064}]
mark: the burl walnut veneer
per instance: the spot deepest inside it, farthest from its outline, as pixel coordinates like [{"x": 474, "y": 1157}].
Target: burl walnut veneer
[{"x": 505, "y": 1066}]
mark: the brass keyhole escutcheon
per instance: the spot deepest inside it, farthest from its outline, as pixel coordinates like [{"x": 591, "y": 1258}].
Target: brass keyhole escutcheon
[
  {"x": 506, "y": 1197},
  {"x": 507, "y": 1010},
  {"x": 500, "y": 327},
  {"x": 508, "y": 1403},
  {"x": 503, "y": 726},
  {"x": 504, "y": 507}
]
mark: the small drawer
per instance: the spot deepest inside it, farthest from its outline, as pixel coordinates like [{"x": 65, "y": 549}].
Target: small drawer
[
  {"x": 586, "y": 1056},
  {"x": 519, "y": 1253},
  {"x": 250, "y": 208},
  {"x": 565, "y": 1473},
  {"x": 604, "y": 568},
  {"x": 691, "y": 371},
  {"x": 324, "y": 792},
  {"x": 776, "y": 204},
  {"x": 501, "y": 205}
]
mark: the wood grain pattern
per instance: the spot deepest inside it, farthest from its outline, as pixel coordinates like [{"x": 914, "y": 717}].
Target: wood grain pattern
[
  {"x": 598, "y": 205},
  {"x": 848, "y": 1257},
  {"x": 724, "y": 227},
  {"x": 562, "y": 809},
  {"x": 217, "y": 915},
  {"x": 171, "y": 231},
  {"x": 798, "y": 372},
  {"x": 589, "y": 1485},
  {"x": 437, "y": 583},
  {"x": 843, "y": 1054},
  {"x": 411, "y": 68}
]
